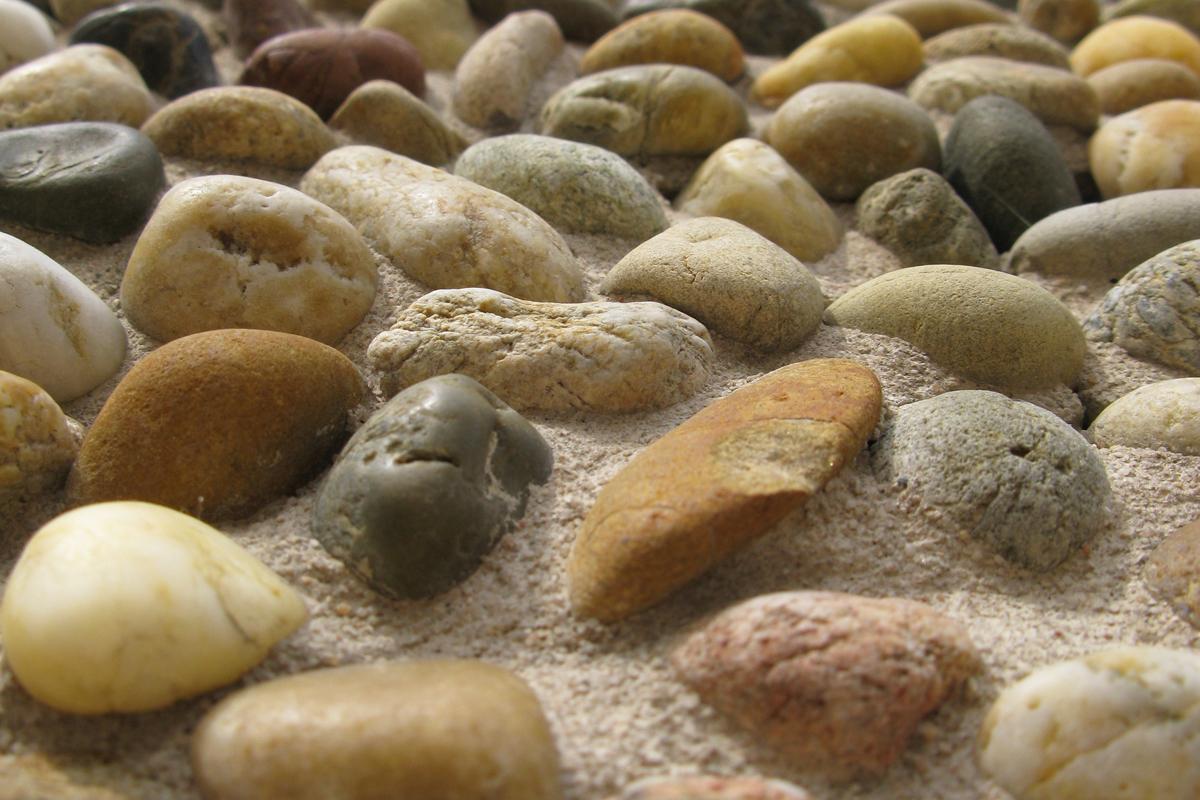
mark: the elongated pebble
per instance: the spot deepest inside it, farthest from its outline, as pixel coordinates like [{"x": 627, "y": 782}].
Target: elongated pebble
[
  {"x": 1003, "y": 40},
  {"x": 1128, "y": 85},
  {"x": 931, "y": 17},
  {"x": 1128, "y": 38},
  {"x": 672, "y": 36}
]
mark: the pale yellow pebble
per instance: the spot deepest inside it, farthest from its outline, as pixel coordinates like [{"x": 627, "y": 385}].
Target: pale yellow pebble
[
  {"x": 1128, "y": 38},
  {"x": 1152, "y": 147},
  {"x": 441, "y": 30},
  {"x": 1162, "y": 415},
  {"x": 37, "y": 444},
  {"x": 669, "y": 36}
]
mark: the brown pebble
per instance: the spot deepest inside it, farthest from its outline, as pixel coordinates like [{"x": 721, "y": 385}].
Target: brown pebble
[{"x": 1172, "y": 572}]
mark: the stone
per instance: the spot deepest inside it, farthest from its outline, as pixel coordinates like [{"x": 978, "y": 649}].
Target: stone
[
  {"x": 1127, "y": 85},
  {"x": 843, "y": 137},
  {"x": 385, "y": 114},
  {"x": 580, "y": 20},
  {"x": 192, "y": 428},
  {"x": 576, "y": 187},
  {"x": 931, "y": 17},
  {"x": 37, "y": 444},
  {"x": 717, "y": 482},
  {"x": 1152, "y": 147},
  {"x": 1131, "y": 38},
  {"x": 883, "y": 50},
  {"x": 1014, "y": 42},
  {"x": 441, "y": 30},
  {"x": 836, "y": 682},
  {"x": 25, "y": 34},
  {"x": 434, "y": 729},
  {"x": 919, "y": 218},
  {"x": 1068, "y": 21},
  {"x": 728, "y": 277},
  {"x": 1154, "y": 312},
  {"x": 251, "y": 22},
  {"x": 1172, "y": 572},
  {"x": 495, "y": 79},
  {"x": 764, "y": 27},
  {"x": 982, "y": 324},
  {"x": 706, "y": 787},
  {"x": 167, "y": 46},
  {"x": 1185, "y": 12},
  {"x": 1054, "y": 96},
  {"x": 1111, "y": 723},
  {"x": 240, "y": 123},
  {"x": 1159, "y": 416},
  {"x": 749, "y": 182},
  {"x": 444, "y": 231},
  {"x": 86, "y": 82},
  {"x": 1006, "y": 473},
  {"x": 1007, "y": 167},
  {"x": 94, "y": 181},
  {"x": 36, "y": 775},
  {"x": 128, "y": 607},
  {"x": 608, "y": 357},
  {"x": 356, "y": 7},
  {"x": 320, "y": 67},
  {"x": 647, "y": 110},
  {"x": 224, "y": 251},
  {"x": 427, "y": 487},
  {"x": 671, "y": 36},
  {"x": 54, "y": 330},
  {"x": 68, "y": 12}
]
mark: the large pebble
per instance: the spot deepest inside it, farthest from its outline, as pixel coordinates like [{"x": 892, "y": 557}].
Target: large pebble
[
  {"x": 1014, "y": 42},
  {"x": 982, "y": 324},
  {"x": 25, "y": 34},
  {"x": 1067, "y": 21},
  {"x": 711, "y": 787},
  {"x": 86, "y": 82},
  {"x": 445, "y": 231},
  {"x": 54, "y": 330},
  {"x": 1152, "y": 147},
  {"x": 765, "y": 27},
  {"x": 931, "y": 17},
  {"x": 195, "y": 427},
  {"x": 1163, "y": 415},
  {"x": 131, "y": 606},
  {"x": 252, "y": 22},
  {"x": 1110, "y": 725},
  {"x": 575, "y": 187},
  {"x": 1127, "y": 85},
  {"x": 1130, "y": 38},
  {"x": 717, "y": 482},
  {"x": 441, "y": 30},
  {"x": 385, "y": 114},
  {"x": 652, "y": 109},
  {"x": 428, "y": 486},
  {"x": 37, "y": 444},
  {"x": 727, "y": 276},
  {"x": 674, "y": 36},
  {"x": 838, "y": 683},
  {"x": 1006, "y": 473},
  {"x": 94, "y": 181},
  {"x": 611, "y": 357},
  {"x": 843, "y": 137},
  {"x": 581, "y": 20},
  {"x": 437, "y": 730},
  {"x": 1172, "y": 572},
  {"x": 748, "y": 181}
]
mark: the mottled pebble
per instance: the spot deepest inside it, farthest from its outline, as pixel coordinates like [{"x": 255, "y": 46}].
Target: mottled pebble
[
  {"x": 1172, "y": 572},
  {"x": 672, "y": 36},
  {"x": 705, "y": 787},
  {"x": 1158, "y": 416},
  {"x": 1068, "y": 21},
  {"x": 1152, "y": 147},
  {"x": 1130, "y": 38},
  {"x": 931, "y": 17},
  {"x": 86, "y": 82},
  {"x": 764, "y": 27},
  {"x": 440, "y": 30},
  {"x": 1127, "y": 85},
  {"x": 37, "y": 444},
  {"x": 580, "y": 20},
  {"x": 252, "y": 22},
  {"x": 385, "y": 114},
  {"x": 1014, "y": 42},
  {"x": 25, "y": 34}
]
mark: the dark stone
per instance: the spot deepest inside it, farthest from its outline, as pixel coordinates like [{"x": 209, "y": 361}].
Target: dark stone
[
  {"x": 764, "y": 27},
  {"x": 322, "y": 66},
  {"x": 94, "y": 181},
  {"x": 252, "y": 22},
  {"x": 167, "y": 46},
  {"x": 581, "y": 20},
  {"x": 1001, "y": 159},
  {"x": 425, "y": 489}
]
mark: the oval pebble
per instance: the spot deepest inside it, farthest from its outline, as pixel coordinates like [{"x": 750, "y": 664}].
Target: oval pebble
[
  {"x": 1185, "y": 12},
  {"x": 1127, "y": 85},
  {"x": 68, "y": 12},
  {"x": 1068, "y": 21},
  {"x": 385, "y": 114},
  {"x": 1172, "y": 572},
  {"x": 1014, "y": 42},
  {"x": 706, "y": 787},
  {"x": 931, "y": 17},
  {"x": 440, "y": 30},
  {"x": 1159, "y": 416},
  {"x": 252, "y": 22},
  {"x": 25, "y": 34},
  {"x": 580, "y": 20},
  {"x": 674, "y": 36},
  {"x": 1135, "y": 37},
  {"x": 37, "y": 444},
  {"x": 764, "y": 27},
  {"x": 1152, "y": 147}
]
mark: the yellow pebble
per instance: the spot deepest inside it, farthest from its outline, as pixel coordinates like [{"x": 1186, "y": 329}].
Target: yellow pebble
[{"x": 1135, "y": 37}]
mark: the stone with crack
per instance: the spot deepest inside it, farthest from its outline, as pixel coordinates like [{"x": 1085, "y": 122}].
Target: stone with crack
[
  {"x": 1149, "y": 148},
  {"x": 37, "y": 443}
]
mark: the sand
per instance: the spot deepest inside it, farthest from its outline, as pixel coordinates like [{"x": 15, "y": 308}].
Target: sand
[{"x": 616, "y": 710}]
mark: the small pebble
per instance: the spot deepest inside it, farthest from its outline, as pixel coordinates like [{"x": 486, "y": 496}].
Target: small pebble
[
  {"x": 1131, "y": 38},
  {"x": 1068, "y": 21},
  {"x": 931, "y": 17},
  {"x": 1014, "y": 42},
  {"x": 385, "y": 114},
  {"x": 1158, "y": 416},
  {"x": 1172, "y": 572},
  {"x": 86, "y": 82},
  {"x": 440, "y": 30},
  {"x": 1152, "y": 147},
  {"x": 25, "y": 34},
  {"x": 1185, "y": 12},
  {"x": 252, "y": 22},
  {"x": 703, "y": 787},
  {"x": 580, "y": 20},
  {"x": 37, "y": 444},
  {"x": 764, "y": 27},
  {"x": 68, "y": 12},
  {"x": 674, "y": 36},
  {"x": 1127, "y": 85}
]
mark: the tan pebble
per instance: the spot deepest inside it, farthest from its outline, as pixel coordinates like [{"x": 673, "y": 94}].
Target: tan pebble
[
  {"x": 705, "y": 787},
  {"x": 36, "y": 776},
  {"x": 1130, "y": 38},
  {"x": 1067, "y": 21},
  {"x": 673, "y": 36},
  {"x": 37, "y": 445},
  {"x": 1015, "y": 42},
  {"x": 931, "y": 17},
  {"x": 441, "y": 30},
  {"x": 1152, "y": 147},
  {"x": 68, "y": 12},
  {"x": 1163, "y": 415},
  {"x": 385, "y": 114},
  {"x": 1127, "y": 85},
  {"x": 1172, "y": 572}
]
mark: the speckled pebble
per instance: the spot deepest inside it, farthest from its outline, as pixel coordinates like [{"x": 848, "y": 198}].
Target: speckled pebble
[
  {"x": 673, "y": 36},
  {"x": 1014, "y": 42},
  {"x": 440, "y": 30},
  {"x": 1152, "y": 147},
  {"x": 1172, "y": 572},
  {"x": 385, "y": 114},
  {"x": 1158, "y": 416},
  {"x": 86, "y": 82},
  {"x": 37, "y": 445}
]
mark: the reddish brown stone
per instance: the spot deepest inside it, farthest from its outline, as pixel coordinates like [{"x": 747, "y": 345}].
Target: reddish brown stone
[{"x": 252, "y": 22}]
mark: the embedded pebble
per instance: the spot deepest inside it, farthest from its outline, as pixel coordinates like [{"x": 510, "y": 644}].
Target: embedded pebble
[
  {"x": 128, "y": 606},
  {"x": 25, "y": 34},
  {"x": 1109, "y": 725},
  {"x": 37, "y": 444},
  {"x": 836, "y": 682},
  {"x": 1172, "y": 572},
  {"x": 224, "y": 251},
  {"x": 748, "y": 181},
  {"x": 674, "y": 36},
  {"x": 1068, "y": 21},
  {"x": 1185, "y": 12},
  {"x": 704, "y": 787},
  {"x": 1006, "y": 473},
  {"x": 1132, "y": 38},
  {"x": 427, "y": 487},
  {"x": 1014, "y": 42},
  {"x": 85, "y": 82},
  {"x": 730, "y": 278},
  {"x": 610, "y": 357},
  {"x": 1152, "y": 147},
  {"x": 440, "y": 30},
  {"x": 717, "y": 482},
  {"x": 191, "y": 428},
  {"x": 575, "y": 187},
  {"x": 931, "y": 17},
  {"x": 434, "y": 729},
  {"x": 764, "y": 27},
  {"x": 385, "y": 114},
  {"x": 442, "y": 230},
  {"x": 843, "y": 137},
  {"x": 68, "y": 12},
  {"x": 982, "y": 324},
  {"x": 54, "y": 330},
  {"x": 252, "y": 22},
  {"x": 1163, "y": 415},
  {"x": 1127, "y": 85},
  {"x": 580, "y": 20}
]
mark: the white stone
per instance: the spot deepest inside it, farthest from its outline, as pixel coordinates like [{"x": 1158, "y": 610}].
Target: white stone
[
  {"x": 1161, "y": 415},
  {"x": 25, "y": 34}
]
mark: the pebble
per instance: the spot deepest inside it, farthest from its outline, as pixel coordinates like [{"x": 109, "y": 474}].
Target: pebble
[
  {"x": 843, "y": 137},
  {"x": 434, "y": 729},
  {"x": 444, "y": 231},
  {"x": 651, "y": 109},
  {"x": 931, "y": 17},
  {"x": 728, "y": 277},
  {"x": 25, "y": 34},
  {"x": 717, "y": 482},
  {"x": 748, "y": 181},
  {"x": 1159, "y": 416},
  {"x": 1127, "y": 85},
  {"x": 764, "y": 27},
  {"x": 598, "y": 356},
  {"x": 440, "y": 30},
  {"x": 37, "y": 444},
  {"x": 711, "y": 787},
  {"x": 1132, "y": 38},
  {"x": 1185, "y": 12},
  {"x": 1014, "y": 42},
  {"x": 249, "y": 23},
  {"x": 576, "y": 187},
  {"x": 982, "y": 324},
  {"x": 95, "y": 181},
  {"x": 128, "y": 607},
  {"x": 883, "y": 50},
  {"x": 670, "y": 36},
  {"x": 34, "y": 775},
  {"x": 1109, "y": 725},
  {"x": 68, "y": 12},
  {"x": 580, "y": 20},
  {"x": 191, "y": 428},
  {"x": 54, "y": 330},
  {"x": 836, "y": 682},
  {"x": 167, "y": 46},
  {"x": 1172, "y": 572},
  {"x": 224, "y": 251},
  {"x": 918, "y": 217},
  {"x": 1152, "y": 312},
  {"x": 240, "y": 123},
  {"x": 1152, "y": 147},
  {"x": 85, "y": 82},
  {"x": 495, "y": 79},
  {"x": 428, "y": 486},
  {"x": 1068, "y": 21},
  {"x": 1004, "y": 472},
  {"x": 320, "y": 67},
  {"x": 385, "y": 114}
]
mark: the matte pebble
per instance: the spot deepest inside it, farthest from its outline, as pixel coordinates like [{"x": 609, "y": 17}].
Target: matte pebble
[
  {"x": 37, "y": 444},
  {"x": 25, "y": 34},
  {"x": 440, "y": 30},
  {"x": 1014, "y": 42},
  {"x": 1127, "y": 85},
  {"x": 764, "y": 27},
  {"x": 1172, "y": 572},
  {"x": 580, "y": 20},
  {"x": 1068, "y": 21},
  {"x": 1185, "y": 12},
  {"x": 705, "y": 787},
  {"x": 68, "y": 12},
  {"x": 675, "y": 36},
  {"x": 931, "y": 17},
  {"x": 252, "y": 22},
  {"x": 1152, "y": 147},
  {"x": 1158, "y": 416},
  {"x": 385, "y": 114},
  {"x": 1129, "y": 38},
  {"x": 86, "y": 82}
]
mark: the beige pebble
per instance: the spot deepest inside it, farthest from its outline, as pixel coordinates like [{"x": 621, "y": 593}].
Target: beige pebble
[
  {"x": 1014, "y": 42},
  {"x": 1152, "y": 147},
  {"x": 671, "y": 36},
  {"x": 1172, "y": 572},
  {"x": 441, "y": 30},
  {"x": 71, "y": 11},
  {"x": 25, "y": 34},
  {"x": 385, "y": 114},
  {"x": 37, "y": 444},
  {"x": 85, "y": 82},
  {"x": 1127, "y": 85},
  {"x": 1067, "y": 21},
  {"x": 711, "y": 787},
  {"x": 1163, "y": 415},
  {"x": 931, "y": 17},
  {"x": 1129, "y": 38}
]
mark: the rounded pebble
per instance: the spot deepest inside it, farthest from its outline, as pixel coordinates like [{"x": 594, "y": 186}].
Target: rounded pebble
[
  {"x": 705, "y": 787},
  {"x": 1136, "y": 37},
  {"x": 68, "y": 12},
  {"x": 385, "y": 114},
  {"x": 931, "y": 17},
  {"x": 1152, "y": 147},
  {"x": 1014, "y": 42},
  {"x": 764, "y": 27},
  {"x": 1158, "y": 416},
  {"x": 37, "y": 444},
  {"x": 25, "y": 34},
  {"x": 1185, "y": 12},
  {"x": 252, "y": 22},
  {"x": 1127, "y": 85},
  {"x": 1172, "y": 572},
  {"x": 580, "y": 20},
  {"x": 1068, "y": 21},
  {"x": 675, "y": 36},
  {"x": 440, "y": 30}
]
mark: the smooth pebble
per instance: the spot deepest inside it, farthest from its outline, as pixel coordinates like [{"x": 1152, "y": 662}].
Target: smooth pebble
[
  {"x": 385, "y": 114},
  {"x": 252, "y": 22},
  {"x": 931, "y": 17},
  {"x": 37, "y": 444},
  {"x": 1014, "y": 42},
  {"x": 1127, "y": 85},
  {"x": 440, "y": 30},
  {"x": 1158, "y": 416},
  {"x": 674, "y": 36},
  {"x": 1067, "y": 21},
  {"x": 25, "y": 34},
  {"x": 711, "y": 787},
  {"x": 1130, "y": 38},
  {"x": 1172, "y": 572},
  {"x": 580, "y": 20},
  {"x": 764, "y": 27},
  {"x": 85, "y": 82},
  {"x": 1152, "y": 147}
]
